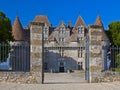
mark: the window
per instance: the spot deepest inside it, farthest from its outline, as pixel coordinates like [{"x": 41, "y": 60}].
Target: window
[
  {"x": 62, "y": 39},
  {"x": 80, "y": 53},
  {"x": 60, "y": 28},
  {"x": 61, "y": 64},
  {"x": 45, "y": 66},
  {"x": 46, "y": 53},
  {"x": 62, "y": 52},
  {"x": 80, "y": 30},
  {"x": 80, "y": 65},
  {"x": 62, "y": 31}
]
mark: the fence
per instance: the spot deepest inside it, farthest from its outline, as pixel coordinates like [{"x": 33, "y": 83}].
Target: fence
[
  {"x": 114, "y": 57},
  {"x": 112, "y": 70},
  {"x": 15, "y": 56}
]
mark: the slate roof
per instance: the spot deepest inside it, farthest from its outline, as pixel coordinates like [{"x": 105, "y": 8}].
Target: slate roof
[
  {"x": 80, "y": 22},
  {"x": 42, "y": 18},
  {"x": 20, "y": 34},
  {"x": 17, "y": 30},
  {"x": 98, "y": 21}
]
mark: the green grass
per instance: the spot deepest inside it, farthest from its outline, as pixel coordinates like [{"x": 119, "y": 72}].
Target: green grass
[{"x": 117, "y": 69}]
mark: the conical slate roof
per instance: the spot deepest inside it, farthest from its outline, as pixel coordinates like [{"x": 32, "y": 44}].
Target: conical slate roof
[
  {"x": 98, "y": 21},
  {"x": 17, "y": 30},
  {"x": 79, "y": 22}
]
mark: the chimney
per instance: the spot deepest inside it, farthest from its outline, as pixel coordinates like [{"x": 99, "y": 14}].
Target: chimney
[{"x": 69, "y": 24}]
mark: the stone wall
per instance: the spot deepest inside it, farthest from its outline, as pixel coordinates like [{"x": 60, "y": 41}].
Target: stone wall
[
  {"x": 36, "y": 55},
  {"x": 107, "y": 76},
  {"x": 95, "y": 34},
  {"x": 21, "y": 77}
]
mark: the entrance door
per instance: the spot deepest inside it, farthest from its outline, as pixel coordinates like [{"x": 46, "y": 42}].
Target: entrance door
[
  {"x": 61, "y": 69},
  {"x": 61, "y": 66}
]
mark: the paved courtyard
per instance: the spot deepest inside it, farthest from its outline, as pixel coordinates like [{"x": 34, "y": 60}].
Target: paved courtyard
[{"x": 64, "y": 78}]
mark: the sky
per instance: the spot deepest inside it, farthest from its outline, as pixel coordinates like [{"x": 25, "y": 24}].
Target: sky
[{"x": 62, "y": 10}]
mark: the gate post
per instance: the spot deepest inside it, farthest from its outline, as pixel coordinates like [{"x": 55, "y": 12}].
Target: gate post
[
  {"x": 36, "y": 51},
  {"x": 87, "y": 61}
]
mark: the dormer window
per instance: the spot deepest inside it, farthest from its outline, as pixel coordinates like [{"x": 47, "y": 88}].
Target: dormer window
[
  {"x": 80, "y": 30},
  {"x": 61, "y": 28}
]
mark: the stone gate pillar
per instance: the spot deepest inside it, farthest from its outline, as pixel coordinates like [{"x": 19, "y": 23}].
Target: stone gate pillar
[{"x": 36, "y": 55}]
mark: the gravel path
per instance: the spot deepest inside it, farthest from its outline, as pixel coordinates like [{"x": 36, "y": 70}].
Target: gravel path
[
  {"x": 64, "y": 78},
  {"x": 84, "y": 86}
]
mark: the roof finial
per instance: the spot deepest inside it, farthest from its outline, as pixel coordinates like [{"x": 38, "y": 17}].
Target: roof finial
[
  {"x": 98, "y": 12},
  {"x": 79, "y": 13},
  {"x": 17, "y": 12}
]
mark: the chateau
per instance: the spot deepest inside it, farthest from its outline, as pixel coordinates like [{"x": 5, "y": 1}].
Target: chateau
[{"x": 65, "y": 47}]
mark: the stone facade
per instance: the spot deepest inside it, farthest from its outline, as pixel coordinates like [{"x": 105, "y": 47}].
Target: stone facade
[
  {"x": 65, "y": 46},
  {"x": 66, "y": 49}
]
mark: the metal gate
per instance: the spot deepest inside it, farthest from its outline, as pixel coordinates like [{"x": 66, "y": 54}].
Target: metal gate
[
  {"x": 50, "y": 72},
  {"x": 87, "y": 65}
]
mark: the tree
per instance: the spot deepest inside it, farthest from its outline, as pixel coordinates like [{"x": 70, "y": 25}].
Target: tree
[
  {"x": 114, "y": 33},
  {"x": 114, "y": 36},
  {"x": 5, "y": 28},
  {"x": 5, "y": 36}
]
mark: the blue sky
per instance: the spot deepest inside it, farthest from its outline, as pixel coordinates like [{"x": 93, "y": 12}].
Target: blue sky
[{"x": 58, "y": 10}]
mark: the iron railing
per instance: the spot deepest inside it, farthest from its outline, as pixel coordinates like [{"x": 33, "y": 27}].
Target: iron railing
[
  {"x": 15, "y": 56},
  {"x": 114, "y": 59}
]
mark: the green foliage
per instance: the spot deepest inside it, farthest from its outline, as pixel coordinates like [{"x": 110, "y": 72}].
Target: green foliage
[
  {"x": 5, "y": 28},
  {"x": 117, "y": 69},
  {"x": 117, "y": 60},
  {"x": 5, "y": 35},
  {"x": 4, "y": 51},
  {"x": 114, "y": 33}
]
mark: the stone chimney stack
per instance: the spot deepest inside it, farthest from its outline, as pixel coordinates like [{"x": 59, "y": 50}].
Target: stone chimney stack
[{"x": 69, "y": 24}]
